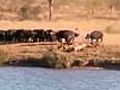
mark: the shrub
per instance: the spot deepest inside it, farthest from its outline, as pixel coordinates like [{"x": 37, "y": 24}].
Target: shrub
[{"x": 57, "y": 59}]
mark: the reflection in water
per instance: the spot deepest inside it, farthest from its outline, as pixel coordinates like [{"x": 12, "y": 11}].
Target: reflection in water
[{"x": 18, "y": 78}]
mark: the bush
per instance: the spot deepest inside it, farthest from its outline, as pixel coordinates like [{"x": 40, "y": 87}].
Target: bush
[{"x": 57, "y": 59}]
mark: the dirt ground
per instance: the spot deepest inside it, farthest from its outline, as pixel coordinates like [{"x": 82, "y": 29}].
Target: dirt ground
[{"x": 111, "y": 40}]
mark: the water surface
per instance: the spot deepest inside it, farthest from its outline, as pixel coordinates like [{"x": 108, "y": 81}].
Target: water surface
[{"x": 21, "y": 78}]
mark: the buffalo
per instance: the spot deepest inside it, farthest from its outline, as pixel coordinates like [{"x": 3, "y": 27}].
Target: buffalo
[
  {"x": 95, "y": 35},
  {"x": 27, "y": 35},
  {"x": 9, "y": 35},
  {"x": 39, "y": 35},
  {"x": 22, "y": 35},
  {"x": 2, "y": 35},
  {"x": 19, "y": 35},
  {"x": 50, "y": 35},
  {"x": 66, "y": 35}
]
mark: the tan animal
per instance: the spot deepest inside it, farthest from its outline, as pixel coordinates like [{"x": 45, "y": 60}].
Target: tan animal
[
  {"x": 79, "y": 47},
  {"x": 75, "y": 48}
]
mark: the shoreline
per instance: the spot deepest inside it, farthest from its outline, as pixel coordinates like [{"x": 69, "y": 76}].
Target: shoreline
[
  {"x": 62, "y": 60},
  {"x": 50, "y": 56},
  {"x": 34, "y": 52},
  {"x": 107, "y": 67}
]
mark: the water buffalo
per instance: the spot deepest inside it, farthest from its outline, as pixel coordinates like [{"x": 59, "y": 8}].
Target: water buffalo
[
  {"x": 22, "y": 35},
  {"x": 27, "y": 35},
  {"x": 39, "y": 35},
  {"x": 9, "y": 35},
  {"x": 50, "y": 35},
  {"x": 2, "y": 35},
  {"x": 95, "y": 35},
  {"x": 67, "y": 35}
]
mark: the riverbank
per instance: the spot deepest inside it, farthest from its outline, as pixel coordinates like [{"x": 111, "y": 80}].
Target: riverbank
[{"x": 49, "y": 56}]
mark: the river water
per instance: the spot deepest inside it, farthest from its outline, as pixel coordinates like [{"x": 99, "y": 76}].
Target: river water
[{"x": 23, "y": 78}]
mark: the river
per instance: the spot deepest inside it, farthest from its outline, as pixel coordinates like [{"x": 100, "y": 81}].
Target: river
[{"x": 24, "y": 78}]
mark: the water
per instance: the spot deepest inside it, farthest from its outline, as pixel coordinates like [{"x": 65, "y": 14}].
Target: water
[{"x": 20, "y": 78}]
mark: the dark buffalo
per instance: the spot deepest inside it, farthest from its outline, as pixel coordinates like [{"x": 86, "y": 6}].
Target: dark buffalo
[
  {"x": 67, "y": 35},
  {"x": 2, "y": 35},
  {"x": 95, "y": 35},
  {"x": 50, "y": 35},
  {"x": 39, "y": 35},
  {"x": 19, "y": 35},
  {"x": 28, "y": 35},
  {"x": 22, "y": 35},
  {"x": 9, "y": 35}
]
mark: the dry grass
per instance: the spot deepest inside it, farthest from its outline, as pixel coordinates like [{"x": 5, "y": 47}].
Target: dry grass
[
  {"x": 37, "y": 51},
  {"x": 3, "y": 57},
  {"x": 86, "y": 15},
  {"x": 38, "y": 9},
  {"x": 113, "y": 29}
]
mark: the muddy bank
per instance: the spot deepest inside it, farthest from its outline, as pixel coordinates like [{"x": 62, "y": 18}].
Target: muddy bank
[
  {"x": 102, "y": 56},
  {"x": 63, "y": 64}
]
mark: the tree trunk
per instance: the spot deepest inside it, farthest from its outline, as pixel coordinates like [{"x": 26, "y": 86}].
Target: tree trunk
[{"x": 50, "y": 9}]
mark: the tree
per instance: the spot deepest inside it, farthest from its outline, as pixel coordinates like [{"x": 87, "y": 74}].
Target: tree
[{"x": 50, "y": 9}]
